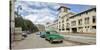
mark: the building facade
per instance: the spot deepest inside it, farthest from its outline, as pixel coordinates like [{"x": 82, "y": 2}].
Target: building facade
[
  {"x": 54, "y": 25},
  {"x": 83, "y": 22},
  {"x": 40, "y": 27}
]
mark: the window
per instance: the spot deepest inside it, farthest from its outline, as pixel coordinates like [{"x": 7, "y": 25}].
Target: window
[
  {"x": 59, "y": 29},
  {"x": 94, "y": 27},
  {"x": 62, "y": 26},
  {"x": 67, "y": 25},
  {"x": 62, "y": 21},
  {"x": 67, "y": 19},
  {"x": 87, "y": 20},
  {"x": 80, "y": 22},
  {"x": 59, "y": 26},
  {"x": 86, "y": 26},
  {"x": 94, "y": 19},
  {"x": 63, "y": 29},
  {"x": 86, "y": 12},
  {"x": 63, "y": 10},
  {"x": 67, "y": 29},
  {"x": 73, "y": 23}
]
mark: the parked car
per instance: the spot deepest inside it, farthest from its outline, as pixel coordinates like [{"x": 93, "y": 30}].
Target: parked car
[
  {"x": 42, "y": 34},
  {"x": 24, "y": 34},
  {"x": 38, "y": 33},
  {"x": 28, "y": 32},
  {"x": 53, "y": 36}
]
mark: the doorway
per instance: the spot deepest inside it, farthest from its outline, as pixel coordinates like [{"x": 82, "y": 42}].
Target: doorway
[{"x": 74, "y": 30}]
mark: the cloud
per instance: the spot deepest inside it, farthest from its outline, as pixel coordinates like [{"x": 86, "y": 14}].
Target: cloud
[
  {"x": 45, "y": 20},
  {"x": 38, "y": 12},
  {"x": 41, "y": 12},
  {"x": 33, "y": 7},
  {"x": 36, "y": 20},
  {"x": 31, "y": 17}
]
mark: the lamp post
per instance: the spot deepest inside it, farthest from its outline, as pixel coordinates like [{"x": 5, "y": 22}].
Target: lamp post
[{"x": 18, "y": 9}]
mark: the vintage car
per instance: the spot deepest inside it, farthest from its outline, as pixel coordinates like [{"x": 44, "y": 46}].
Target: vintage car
[
  {"x": 42, "y": 34},
  {"x": 53, "y": 36}
]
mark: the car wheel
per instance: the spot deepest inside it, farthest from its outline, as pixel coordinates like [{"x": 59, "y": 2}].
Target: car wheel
[
  {"x": 51, "y": 41},
  {"x": 46, "y": 39},
  {"x": 61, "y": 41}
]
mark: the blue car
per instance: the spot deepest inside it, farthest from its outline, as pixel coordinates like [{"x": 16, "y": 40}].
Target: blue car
[{"x": 42, "y": 34}]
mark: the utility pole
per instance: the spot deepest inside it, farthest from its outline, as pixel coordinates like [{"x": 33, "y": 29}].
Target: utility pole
[{"x": 12, "y": 22}]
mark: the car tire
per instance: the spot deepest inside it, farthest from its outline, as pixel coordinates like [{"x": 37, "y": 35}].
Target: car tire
[
  {"x": 61, "y": 41},
  {"x": 51, "y": 41},
  {"x": 46, "y": 39}
]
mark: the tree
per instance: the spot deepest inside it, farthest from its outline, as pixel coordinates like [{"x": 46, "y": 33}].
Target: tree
[
  {"x": 19, "y": 21},
  {"x": 26, "y": 25},
  {"x": 30, "y": 26}
]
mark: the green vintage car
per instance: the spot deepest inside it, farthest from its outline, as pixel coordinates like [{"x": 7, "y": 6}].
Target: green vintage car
[{"x": 53, "y": 36}]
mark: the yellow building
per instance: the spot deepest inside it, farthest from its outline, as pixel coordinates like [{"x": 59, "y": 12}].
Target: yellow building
[{"x": 84, "y": 22}]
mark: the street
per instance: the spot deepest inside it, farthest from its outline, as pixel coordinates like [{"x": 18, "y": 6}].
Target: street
[
  {"x": 57, "y": 24},
  {"x": 35, "y": 41}
]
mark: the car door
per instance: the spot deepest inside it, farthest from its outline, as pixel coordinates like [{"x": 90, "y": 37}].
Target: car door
[{"x": 47, "y": 35}]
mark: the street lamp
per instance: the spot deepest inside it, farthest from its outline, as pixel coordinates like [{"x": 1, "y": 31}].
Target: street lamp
[{"x": 18, "y": 9}]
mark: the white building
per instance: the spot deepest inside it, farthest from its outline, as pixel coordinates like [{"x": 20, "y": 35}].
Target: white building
[
  {"x": 84, "y": 22},
  {"x": 54, "y": 25},
  {"x": 40, "y": 27}
]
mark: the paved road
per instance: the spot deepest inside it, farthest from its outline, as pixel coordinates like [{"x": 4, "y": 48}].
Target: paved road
[{"x": 34, "y": 41}]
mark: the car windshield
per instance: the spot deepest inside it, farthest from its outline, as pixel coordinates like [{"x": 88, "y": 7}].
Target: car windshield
[
  {"x": 43, "y": 33},
  {"x": 53, "y": 32}
]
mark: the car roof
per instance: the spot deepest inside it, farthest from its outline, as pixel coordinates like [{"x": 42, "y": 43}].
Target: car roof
[{"x": 50, "y": 29}]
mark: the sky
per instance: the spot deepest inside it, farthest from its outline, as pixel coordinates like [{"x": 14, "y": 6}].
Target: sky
[{"x": 43, "y": 12}]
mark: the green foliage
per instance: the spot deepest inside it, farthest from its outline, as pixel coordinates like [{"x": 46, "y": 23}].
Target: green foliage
[{"x": 26, "y": 25}]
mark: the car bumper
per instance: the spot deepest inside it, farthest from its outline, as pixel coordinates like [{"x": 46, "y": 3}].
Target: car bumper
[
  {"x": 42, "y": 36},
  {"x": 57, "y": 40}
]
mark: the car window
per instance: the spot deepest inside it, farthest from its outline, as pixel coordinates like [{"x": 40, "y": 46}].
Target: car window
[
  {"x": 48, "y": 32},
  {"x": 42, "y": 32},
  {"x": 53, "y": 32}
]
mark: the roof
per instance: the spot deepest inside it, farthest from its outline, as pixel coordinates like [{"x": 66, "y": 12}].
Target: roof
[
  {"x": 63, "y": 7},
  {"x": 50, "y": 29},
  {"x": 83, "y": 12}
]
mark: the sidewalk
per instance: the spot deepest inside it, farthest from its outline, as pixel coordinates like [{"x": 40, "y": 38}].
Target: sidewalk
[
  {"x": 26, "y": 43},
  {"x": 82, "y": 38}
]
